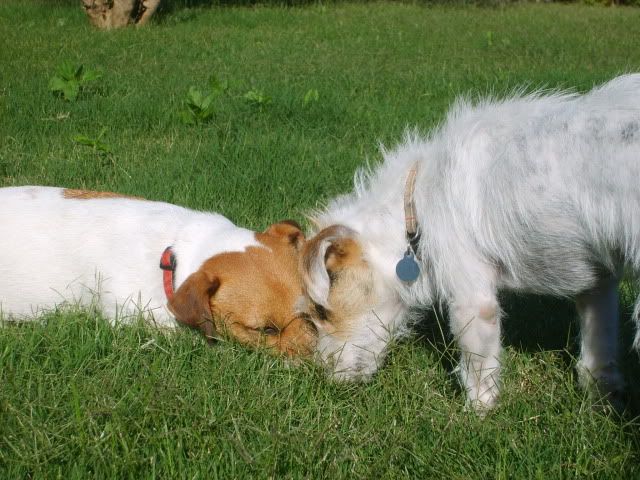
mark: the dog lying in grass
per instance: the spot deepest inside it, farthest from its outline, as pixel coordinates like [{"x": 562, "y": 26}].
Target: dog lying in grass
[
  {"x": 536, "y": 193},
  {"x": 135, "y": 257}
]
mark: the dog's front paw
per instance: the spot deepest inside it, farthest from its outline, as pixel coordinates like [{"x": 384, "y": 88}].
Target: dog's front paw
[
  {"x": 481, "y": 386},
  {"x": 606, "y": 386},
  {"x": 484, "y": 402},
  {"x": 351, "y": 375}
]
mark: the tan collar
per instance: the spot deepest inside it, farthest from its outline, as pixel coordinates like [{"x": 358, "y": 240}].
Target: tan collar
[{"x": 411, "y": 222}]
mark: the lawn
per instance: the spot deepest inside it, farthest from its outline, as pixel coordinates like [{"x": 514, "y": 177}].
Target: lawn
[{"x": 329, "y": 83}]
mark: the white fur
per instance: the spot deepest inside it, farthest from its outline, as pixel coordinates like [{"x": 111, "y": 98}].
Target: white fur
[
  {"x": 61, "y": 250},
  {"x": 536, "y": 193}
]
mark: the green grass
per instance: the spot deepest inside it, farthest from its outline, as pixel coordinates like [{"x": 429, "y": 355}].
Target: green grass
[{"x": 79, "y": 399}]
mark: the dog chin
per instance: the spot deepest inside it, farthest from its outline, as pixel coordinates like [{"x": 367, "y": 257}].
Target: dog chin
[
  {"x": 347, "y": 362},
  {"x": 357, "y": 355}
]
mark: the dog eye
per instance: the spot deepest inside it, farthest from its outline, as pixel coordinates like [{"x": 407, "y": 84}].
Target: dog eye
[{"x": 270, "y": 330}]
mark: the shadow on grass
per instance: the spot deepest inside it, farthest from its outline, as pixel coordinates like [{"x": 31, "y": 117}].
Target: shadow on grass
[
  {"x": 530, "y": 324},
  {"x": 534, "y": 323}
]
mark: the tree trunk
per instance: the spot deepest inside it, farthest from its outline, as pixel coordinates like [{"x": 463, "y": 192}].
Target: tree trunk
[{"x": 107, "y": 14}]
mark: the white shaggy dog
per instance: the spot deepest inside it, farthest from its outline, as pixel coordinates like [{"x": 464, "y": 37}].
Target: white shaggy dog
[{"x": 535, "y": 193}]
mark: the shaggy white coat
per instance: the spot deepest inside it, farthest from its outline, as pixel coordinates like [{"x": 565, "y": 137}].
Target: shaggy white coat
[{"x": 535, "y": 193}]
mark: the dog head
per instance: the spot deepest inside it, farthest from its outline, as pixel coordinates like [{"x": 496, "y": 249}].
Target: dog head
[
  {"x": 251, "y": 296},
  {"x": 348, "y": 302}
]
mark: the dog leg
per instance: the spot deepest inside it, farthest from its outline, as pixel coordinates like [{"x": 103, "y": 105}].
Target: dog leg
[
  {"x": 598, "y": 365},
  {"x": 476, "y": 325}
]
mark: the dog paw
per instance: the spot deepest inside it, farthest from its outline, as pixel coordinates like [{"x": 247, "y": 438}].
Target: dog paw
[
  {"x": 606, "y": 386},
  {"x": 609, "y": 395},
  {"x": 483, "y": 403},
  {"x": 350, "y": 375},
  {"x": 610, "y": 402}
]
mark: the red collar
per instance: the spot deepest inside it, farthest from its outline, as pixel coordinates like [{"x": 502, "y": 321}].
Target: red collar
[{"x": 168, "y": 264}]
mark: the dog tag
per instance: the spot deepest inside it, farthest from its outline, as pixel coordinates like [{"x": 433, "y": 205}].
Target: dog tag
[{"x": 408, "y": 269}]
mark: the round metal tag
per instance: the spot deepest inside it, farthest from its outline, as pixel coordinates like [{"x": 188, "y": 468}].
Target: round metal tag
[{"x": 408, "y": 269}]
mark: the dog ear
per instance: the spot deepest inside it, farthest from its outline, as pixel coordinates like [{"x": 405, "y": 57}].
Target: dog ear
[
  {"x": 331, "y": 250},
  {"x": 287, "y": 230},
  {"x": 190, "y": 304}
]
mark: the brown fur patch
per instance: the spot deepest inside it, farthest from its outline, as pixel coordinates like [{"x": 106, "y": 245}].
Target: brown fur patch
[
  {"x": 286, "y": 231},
  {"x": 256, "y": 294},
  {"x": 342, "y": 251},
  {"x": 90, "y": 194},
  {"x": 351, "y": 292},
  {"x": 351, "y": 296}
]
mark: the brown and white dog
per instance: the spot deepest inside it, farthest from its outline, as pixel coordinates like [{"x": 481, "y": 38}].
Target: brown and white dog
[{"x": 126, "y": 255}]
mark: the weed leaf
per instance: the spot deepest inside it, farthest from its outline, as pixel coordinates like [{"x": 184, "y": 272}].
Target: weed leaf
[
  {"x": 69, "y": 80},
  {"x": 311, "y": 96},
  {"x": 194, "y": 97},
  {"x": 90, "y": 76},
  {"x": 94, "y": 143},
  {"x": 216, "y": 86},
  {"x": 200, "y": 107},
  {"x": 70, "y": 91},
  {"x": 257, "y": 98}
]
